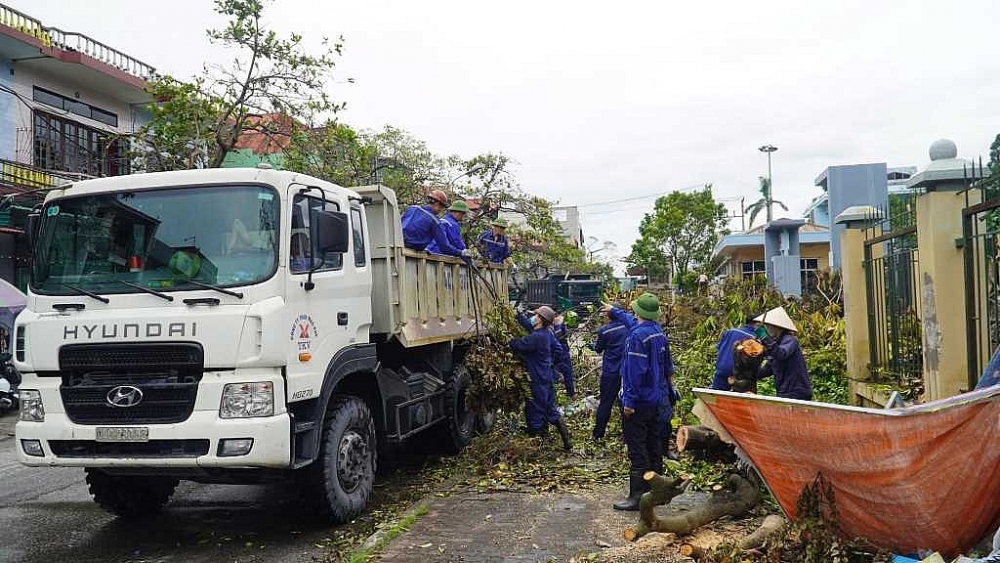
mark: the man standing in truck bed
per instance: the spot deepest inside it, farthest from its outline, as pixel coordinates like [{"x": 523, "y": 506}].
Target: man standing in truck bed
[
  {"x": 421, "y": 226},
  {"x": 451, "y": 224}
]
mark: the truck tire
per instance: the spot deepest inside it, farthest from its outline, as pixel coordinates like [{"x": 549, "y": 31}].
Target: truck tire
[
  {"x": 341, "y": 480},
  {"x": 129, "y": 496},
  {"x": 461, "y": 426}
]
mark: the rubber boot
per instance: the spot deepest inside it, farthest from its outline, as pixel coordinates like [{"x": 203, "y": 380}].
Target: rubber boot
[
  {"x": 564, "y": 434},
  {"x": 636, "y": 486}
]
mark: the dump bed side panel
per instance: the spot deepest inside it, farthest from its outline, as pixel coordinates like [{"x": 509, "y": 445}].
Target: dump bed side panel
[{"x": 420, "y": 298}]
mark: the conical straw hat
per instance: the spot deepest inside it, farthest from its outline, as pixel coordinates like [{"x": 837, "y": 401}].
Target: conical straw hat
[{"x": 779, "y": 318}]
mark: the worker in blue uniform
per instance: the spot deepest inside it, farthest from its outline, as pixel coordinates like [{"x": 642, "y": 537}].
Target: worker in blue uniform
[
  {"x": 645, "y": 374},
  {"x": 670, "y": 398},
  {"x": 562, "y": 362},
  {"x": 611, "y": 343},
  {"x": 535, "y": 350},
  {"x": 724, "y": 356},
  {"x": 451, "y": 223},
  {"x": 554, "y": 345},
  {"x": 784, "y": 356},
  {"x": 421, "y": 225},
  {"x": 493, "y": 244}
]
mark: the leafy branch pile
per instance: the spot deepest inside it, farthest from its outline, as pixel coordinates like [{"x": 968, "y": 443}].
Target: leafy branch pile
[
  {"x": 499, "y": 381},
  {"x": 696, "y": 322}
]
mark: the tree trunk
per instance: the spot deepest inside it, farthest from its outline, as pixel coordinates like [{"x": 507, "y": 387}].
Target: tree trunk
[
  {"x": 735, "y": 499},
  {"x": 704, "y": 443},
  {"x": 771, "y": 524}
]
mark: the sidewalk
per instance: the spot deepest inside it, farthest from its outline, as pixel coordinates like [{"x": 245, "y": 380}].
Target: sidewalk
[{"x": 512, "y": 527}]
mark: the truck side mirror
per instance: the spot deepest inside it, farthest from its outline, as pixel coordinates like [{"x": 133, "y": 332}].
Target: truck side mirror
[
  {"x": 332, "y": 231},
  {"x": 31, "y": 224}
]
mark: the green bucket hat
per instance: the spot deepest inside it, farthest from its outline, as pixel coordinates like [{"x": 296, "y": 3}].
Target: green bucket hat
[
  {"x": 499, "y": 222},
  {"x": 647, "y": 306},
  {"x": 460, "y": 206}
]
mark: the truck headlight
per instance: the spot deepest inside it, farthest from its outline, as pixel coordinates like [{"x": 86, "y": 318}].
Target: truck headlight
[
  {"x": 246, "y": 400},
  {"x": 31, "y": 406}
]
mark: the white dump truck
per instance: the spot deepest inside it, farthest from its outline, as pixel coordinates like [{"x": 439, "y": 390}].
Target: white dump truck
[{"x": 238, "y": 326}]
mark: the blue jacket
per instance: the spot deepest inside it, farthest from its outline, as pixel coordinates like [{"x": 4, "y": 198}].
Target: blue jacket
[
  {"x": 555, "y": 346},
  {"x": 611, "y": 341},
  {"x": 453, "y": 232},
  {"x": 561, "y": 359},
  {"x": 788, "y": 366},
  {"x": 646, "y": 367},
  {"x": 495, "y": 249},
  {"x": 536, "y": 351},
  {"x": 724, "y": 357},
  {"x": 421, "y": 226}
]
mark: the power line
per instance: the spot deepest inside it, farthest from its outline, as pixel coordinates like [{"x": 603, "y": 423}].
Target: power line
[{"x": 636, "y": 198}]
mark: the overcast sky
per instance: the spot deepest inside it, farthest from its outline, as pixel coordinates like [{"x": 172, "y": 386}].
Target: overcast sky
[{"x": 601, "y": 101}]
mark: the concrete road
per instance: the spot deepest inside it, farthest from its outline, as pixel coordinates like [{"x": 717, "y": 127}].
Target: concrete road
[{"x": 47, "y": 516}]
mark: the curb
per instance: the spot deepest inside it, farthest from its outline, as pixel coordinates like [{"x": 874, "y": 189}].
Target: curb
[{"x": 381, "y": 537}]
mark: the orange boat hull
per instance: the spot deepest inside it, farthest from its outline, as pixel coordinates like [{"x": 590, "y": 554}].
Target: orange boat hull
[{"x": 923, "y": 477}]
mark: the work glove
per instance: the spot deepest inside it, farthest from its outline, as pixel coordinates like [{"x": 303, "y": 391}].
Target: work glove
[{"x": 466, "y": 253}]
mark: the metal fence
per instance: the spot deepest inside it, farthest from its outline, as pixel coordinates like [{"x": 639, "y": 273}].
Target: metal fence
[
  {"x": 981, "y": 249},
  {"x": 891, "y": 262}
]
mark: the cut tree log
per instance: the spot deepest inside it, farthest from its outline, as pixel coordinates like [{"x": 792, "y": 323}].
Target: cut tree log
[
  {"x": 704, "y": 443},
  {"x": 738, "y": 497},
  {"x": 662, "y": 489},
  {"x": 771, "y": 524}
]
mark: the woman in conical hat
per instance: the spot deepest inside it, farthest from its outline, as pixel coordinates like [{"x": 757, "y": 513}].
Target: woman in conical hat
[{"x": 784, "y": 356}]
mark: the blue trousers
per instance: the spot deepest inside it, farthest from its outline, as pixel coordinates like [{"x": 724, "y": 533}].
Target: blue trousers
[
  {"x": 610, "y": 386},
  {"x": 541, "y": 407},
  {"x": 664, "y": 414},
  {"x": 644, "y": 439}
]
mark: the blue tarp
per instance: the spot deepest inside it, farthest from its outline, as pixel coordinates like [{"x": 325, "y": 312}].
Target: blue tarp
[{"x": 991, "y": 375}]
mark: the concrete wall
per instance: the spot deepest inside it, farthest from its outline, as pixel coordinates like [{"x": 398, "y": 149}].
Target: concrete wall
[
  {"x": 821, "y": 252},
  {"x": 26, "y": 78},
  {"x": 8, "y": 109},
  {"x": 847, "y": 186}
]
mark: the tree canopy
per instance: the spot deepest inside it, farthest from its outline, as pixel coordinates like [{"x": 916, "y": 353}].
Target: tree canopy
[{"x": 681, "y": 231}]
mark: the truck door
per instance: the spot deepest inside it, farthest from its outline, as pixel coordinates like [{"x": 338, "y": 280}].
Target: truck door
[{"x": 336, "y": 312}]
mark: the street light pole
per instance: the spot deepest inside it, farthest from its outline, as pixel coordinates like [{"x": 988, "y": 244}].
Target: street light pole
[{"x": 770, "y": 184}]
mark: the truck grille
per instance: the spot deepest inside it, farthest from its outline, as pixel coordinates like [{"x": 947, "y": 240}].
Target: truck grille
[
  {"x": 166, "y": 374},
  {"x": 150, "y": 449}
]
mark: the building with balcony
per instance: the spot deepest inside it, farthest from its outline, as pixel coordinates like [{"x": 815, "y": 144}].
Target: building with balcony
[{"x": 68, "y": 104}]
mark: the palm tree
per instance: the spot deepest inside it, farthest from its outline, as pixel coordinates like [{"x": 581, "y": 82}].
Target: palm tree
[{"x": 764, "y": 202}]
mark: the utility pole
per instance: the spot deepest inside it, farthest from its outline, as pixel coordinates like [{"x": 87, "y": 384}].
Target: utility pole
[{"x": 770, "y": 184}]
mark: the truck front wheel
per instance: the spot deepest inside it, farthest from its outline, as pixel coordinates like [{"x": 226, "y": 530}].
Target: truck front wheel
[
  {"x": 129, "y": 496},
  {"x": 342, "y": 478}
]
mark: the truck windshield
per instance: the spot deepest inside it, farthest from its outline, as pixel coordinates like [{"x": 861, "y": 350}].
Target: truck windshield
[{"x": 158, "y": 239}]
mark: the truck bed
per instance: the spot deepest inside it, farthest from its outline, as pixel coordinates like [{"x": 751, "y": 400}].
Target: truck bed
[{"x": 420, "y": 298}]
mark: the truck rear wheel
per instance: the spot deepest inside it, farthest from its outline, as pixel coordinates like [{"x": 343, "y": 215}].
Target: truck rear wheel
[
  {"x": 341, "y": 480},
  {"x": 461, "y": 421},
  {"x": 129, "y": 496}
]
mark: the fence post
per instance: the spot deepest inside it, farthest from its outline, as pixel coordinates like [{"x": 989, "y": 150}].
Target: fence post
[
  {"x": 852, "y": 271},
  {"x": 942, "y": 271}
]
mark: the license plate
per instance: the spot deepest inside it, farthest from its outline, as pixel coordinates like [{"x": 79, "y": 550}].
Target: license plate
[{"x": 122, "y": 434}]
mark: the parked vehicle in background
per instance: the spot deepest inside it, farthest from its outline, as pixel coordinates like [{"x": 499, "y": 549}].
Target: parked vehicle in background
[
  {"x": 563, "y": 292},
  {"x": 238, "y": 326}
]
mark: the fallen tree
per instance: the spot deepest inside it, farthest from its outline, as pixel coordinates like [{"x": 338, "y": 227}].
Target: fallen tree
[
  {"x": 704, "y": 443},
  {"x": 735, "y": 499},
  {"x": 769, "y": 527}
]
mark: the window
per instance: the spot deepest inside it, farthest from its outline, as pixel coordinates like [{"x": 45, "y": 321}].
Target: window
[
  {"x": 304, "y": 208},
  {"x": 74, "y": 106},
  {"x": 753, "y": 268},
  {"x": 61, "y": 144},
  {"x": 159, "y": 239},
  {"x": 809, "y": 268},
  {"x": 359, "y": 238}
]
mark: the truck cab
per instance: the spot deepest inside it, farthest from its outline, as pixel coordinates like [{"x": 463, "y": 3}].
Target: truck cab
[{"x": 232, "y": 325}]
